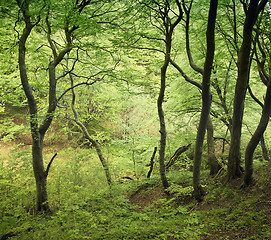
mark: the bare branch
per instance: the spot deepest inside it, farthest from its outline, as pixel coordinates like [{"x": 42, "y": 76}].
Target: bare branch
[
  {"x": 49, "y": 165},
  {"x": 254, "y": 97},
  {"x": 195, "y": 83}
]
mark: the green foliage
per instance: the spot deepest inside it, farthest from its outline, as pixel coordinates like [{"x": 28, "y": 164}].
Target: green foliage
[
  {"x": 119, "y": 111},
  {"x": 180, "y": 192},
  {"x": 84, "y": 207},
  {"x": 9, "y": 130}
]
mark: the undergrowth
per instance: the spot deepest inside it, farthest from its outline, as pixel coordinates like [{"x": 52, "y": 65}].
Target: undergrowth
[{"x": 85, "y": 207}]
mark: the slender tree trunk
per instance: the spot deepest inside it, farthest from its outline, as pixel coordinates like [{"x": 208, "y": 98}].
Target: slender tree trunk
[
  {"x": 37, "y": 139},
  {"x": 38, "y": 132},
  {"x": 256, "y": 137},
  {"x": 206, "y": 99},
  {"x": 97, "y": 148},
  {"x": 87, "y": 135},
  {"x": 234, "y": 168},
  {"x": 264, "y": 149},
  {"x": 40, "y": 174},
  {"x": 168, "y": 23},
  {"x": 163, "y": 133},
  {"x": 214, "y": 165}
]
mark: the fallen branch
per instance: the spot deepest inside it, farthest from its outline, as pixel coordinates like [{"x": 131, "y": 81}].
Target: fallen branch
[
  {"x": 220, "y": 170},
  {"x": 151, "y": 163},
  {"x": 178, "y": 152}
]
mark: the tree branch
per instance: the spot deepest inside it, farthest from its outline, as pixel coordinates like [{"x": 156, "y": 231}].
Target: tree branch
[
  {"x": 49, "y": 165},
  {"x": 195, "y": 83}
]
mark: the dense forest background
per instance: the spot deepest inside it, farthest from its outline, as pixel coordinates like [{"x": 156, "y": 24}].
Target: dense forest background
[{"x": 143, "y": 119}]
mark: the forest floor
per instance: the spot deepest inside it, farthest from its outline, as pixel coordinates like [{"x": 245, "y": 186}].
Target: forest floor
[
  {"x": 236, "y": 210},
  {"x": 227, "y": 211}
]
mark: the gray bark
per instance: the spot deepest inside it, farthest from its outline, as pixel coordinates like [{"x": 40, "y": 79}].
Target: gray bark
[
  {"x": 256, "y": 137},
  {"x": 37, "y": 137},
  {"x": 206, "y": 99},
  {"x": 168, "y": 31},
  {"x": 234, "y": 168}
]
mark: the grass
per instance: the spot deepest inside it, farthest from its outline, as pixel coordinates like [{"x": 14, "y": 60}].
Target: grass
[{"x": 84, "y": 207}]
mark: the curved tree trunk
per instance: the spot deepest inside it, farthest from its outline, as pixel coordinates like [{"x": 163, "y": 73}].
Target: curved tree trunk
[
  {"x": 163, "y": 133},
  {"x": 38, "y": 132},
  {"x": 87, "y": 135},
  {"x": 206, "y": 99},
  {"x": 37, "y": 138},
  {"x": 168, "y": 31},
  {"x": 212, "y": 160},
  {"x": 256, "y": 137},
  {"x": 234, "y": 168}
]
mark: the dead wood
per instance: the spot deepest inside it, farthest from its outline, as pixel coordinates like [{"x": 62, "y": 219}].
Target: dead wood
[{"x": 178, "y": 152}]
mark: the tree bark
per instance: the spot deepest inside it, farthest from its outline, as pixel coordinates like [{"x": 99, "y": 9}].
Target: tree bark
[
  {"x": 37, "y": 138},
  {"x": 243, "y": 64},
  {"x": 206, "y": 99},
  {"x": 256, "y": 137},
  {"x": 40, "y": 174},
  {"x": 168, "y": 31},
  {"x": 163, "y": 133}
]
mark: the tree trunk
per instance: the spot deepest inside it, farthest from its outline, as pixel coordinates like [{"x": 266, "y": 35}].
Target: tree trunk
[
  {"x": 163, "y": 133},
  {"x": 168, "y": 31},
  {"x": 264, "y": 149},
  {"x": 40, "y": 174},
  {"x": 214, "y": 165},
  {"x": 87, "y": 135},
  {"x": 256, "y": 137},
  {"x": 38, "y": 132},
  {"x": 234, "y": 168},
  {"x": 96, "y": 145},
  {"x": 206, "y": 99},
  {"x": 37, "y": 139}
]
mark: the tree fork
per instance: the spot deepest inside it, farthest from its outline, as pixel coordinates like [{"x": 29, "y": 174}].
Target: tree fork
[{"x": 234, "y": 168}]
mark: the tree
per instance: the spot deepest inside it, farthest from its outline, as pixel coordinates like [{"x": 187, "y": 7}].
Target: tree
[
  {"x": 38, "y": 131},
  {"x": 256, "y": 137},
  {"x": 262, "y": 44},
  {"x": 86, "y": 132},
  {"x": 214, "y": 165},
  {"x": 206, "y": 98},
  {"x": 168, "y": 31},
  {"x": 164, "y": 20},
  {"x": 243, "y": 63}
]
